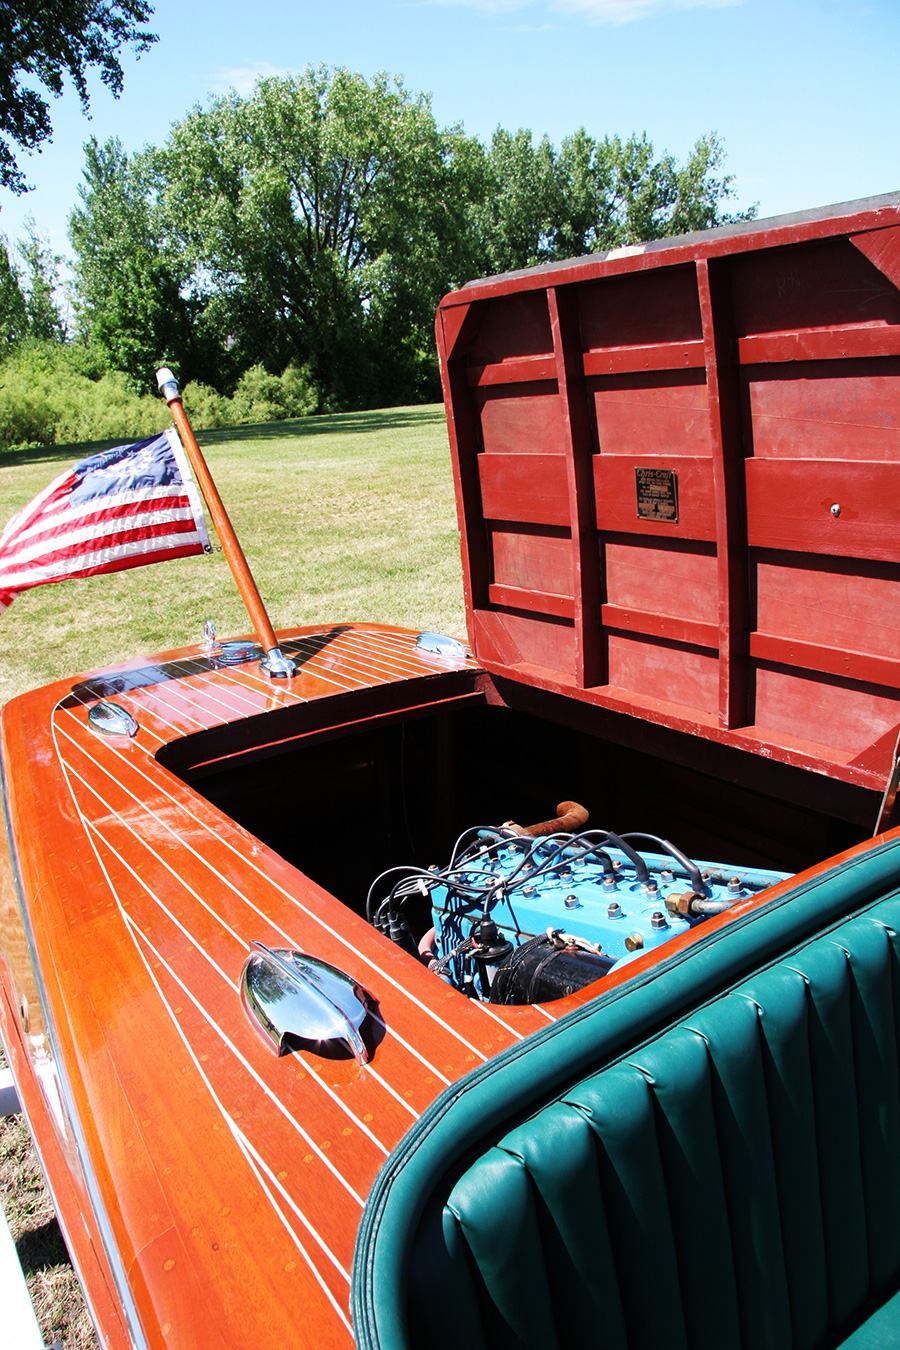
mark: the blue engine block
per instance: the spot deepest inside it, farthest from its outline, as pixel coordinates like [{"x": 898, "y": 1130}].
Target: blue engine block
[{"x": 613, "y": 902}]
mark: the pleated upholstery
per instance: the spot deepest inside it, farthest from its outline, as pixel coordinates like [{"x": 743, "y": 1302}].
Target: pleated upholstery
[{"x": 733, "y": 1182}]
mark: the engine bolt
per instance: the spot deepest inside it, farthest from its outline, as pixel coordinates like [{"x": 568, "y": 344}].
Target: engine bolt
[
  {"x": 735, "y": 884},
  {"x": 528, "y": 890},
  {"x": 658, "y": 920},
  {"x": 609, "y": 881},
  {"x": 572, "y": 902},
  {"x": 614, "y": 910}
]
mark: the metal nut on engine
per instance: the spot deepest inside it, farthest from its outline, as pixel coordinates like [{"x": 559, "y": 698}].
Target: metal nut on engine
[{"x": 679, "y": 902}]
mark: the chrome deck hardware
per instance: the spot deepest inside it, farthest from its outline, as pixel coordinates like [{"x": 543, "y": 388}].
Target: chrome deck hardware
[
  {"x": 292, "y": 995},
  {"x": 111, "y": 719}
]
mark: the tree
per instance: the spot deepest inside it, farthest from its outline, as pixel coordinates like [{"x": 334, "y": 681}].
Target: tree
[
  {"x": 41, "y": 283},
  {"x": 47, "y": 41},
  {"x": 543, "y": 205},
  {"x": 516, "y": 217},
  {"x": 322, "y": 220},
  {"x": 28, "y": 287},
  {"x": 13, "y": 313},
  {"x": 129, "y": 287},
  {"x": 318, "y": 222}
]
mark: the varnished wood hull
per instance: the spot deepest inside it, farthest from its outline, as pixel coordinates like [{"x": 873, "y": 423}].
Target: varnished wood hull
[{"x": 210, "y": 1190}]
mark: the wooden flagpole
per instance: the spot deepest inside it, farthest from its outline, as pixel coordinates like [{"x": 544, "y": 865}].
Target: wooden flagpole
[{"x": 274, "y": 663}]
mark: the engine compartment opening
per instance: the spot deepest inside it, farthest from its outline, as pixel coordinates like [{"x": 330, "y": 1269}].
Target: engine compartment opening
[{"x": 404, "y": 816}]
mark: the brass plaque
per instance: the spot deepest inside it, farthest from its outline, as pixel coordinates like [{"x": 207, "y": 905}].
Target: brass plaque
[{"x": 657, "y": 494}]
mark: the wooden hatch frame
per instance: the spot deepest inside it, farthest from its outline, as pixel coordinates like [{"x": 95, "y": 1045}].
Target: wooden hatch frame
[{"x": 755, "y": 370}]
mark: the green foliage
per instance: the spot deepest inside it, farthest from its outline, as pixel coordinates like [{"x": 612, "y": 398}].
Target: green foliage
[
  {"x": 58, "y": 394},
  {"x": 316, "y": 224},
  {"x": 313, "y": 218},
  {"x": 43, "y": 319},
  {"x": 28, "y": 289},
  {"x": 13, "y": 312},
  {"x": 47, "y": 399},
  {"x": 47, "y": 43},
  {"x": 259, "y": 397},
  {"x": 543, "y": 205},
  {"x": 128, "y": 286}
]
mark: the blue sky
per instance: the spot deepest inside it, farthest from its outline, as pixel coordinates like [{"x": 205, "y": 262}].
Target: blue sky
[{"x": 804, "y": 93}]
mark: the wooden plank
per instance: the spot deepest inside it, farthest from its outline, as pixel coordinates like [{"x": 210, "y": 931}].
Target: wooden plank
[
  {"x": 528, "y": 488},
  {"x": 650, "y": 575},
  {"x": 655, "y": 356},
  {"x": 726, "y": 435},
  {"x": 853, "y": 665},
  {"x": 525, "y": 421},
  {"x": 452, "y": 327},
  {"x": 513, "y": 639},
  {"x": 615, "y": 492},
  {"x": 516, "y": 370},
  {"x": 830, "y": 602},
  {"x": 533, "y": 558},
  {"x": 666, "y": 626},
  {"x": 538, "y": 602},
  {"x": 577, "y": 443},
  {"x": 515, "y": 324},
  {"x": 822, "y": 708},
  {"x": 658, "y": 412},
  {"x": 664, "y": 670},
  {"x": 825, "y": 409},
  {"x": 822, "y": 344},
  {"x": 462, "y": 433},
  {"x": 811, "y": 284},
  {"x": 790, "y": 505},
  {"x": 882, "y": 247}
]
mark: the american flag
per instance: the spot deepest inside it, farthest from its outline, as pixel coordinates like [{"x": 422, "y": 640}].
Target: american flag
[{"x": 125, "y": 507}]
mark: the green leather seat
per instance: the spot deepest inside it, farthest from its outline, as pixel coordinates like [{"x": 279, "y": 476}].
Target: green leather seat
[{"x": 733, "y": 1182}]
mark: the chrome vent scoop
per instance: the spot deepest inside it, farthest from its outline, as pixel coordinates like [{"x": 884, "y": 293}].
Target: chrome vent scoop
[{"x": 294, "y": 997}]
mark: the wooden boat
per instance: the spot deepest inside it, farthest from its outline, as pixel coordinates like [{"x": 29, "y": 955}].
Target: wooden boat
[{"x": 677, "y": 471}]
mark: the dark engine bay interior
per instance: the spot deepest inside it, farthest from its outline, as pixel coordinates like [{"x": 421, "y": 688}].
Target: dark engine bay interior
[{"x": 443, "y": 827}]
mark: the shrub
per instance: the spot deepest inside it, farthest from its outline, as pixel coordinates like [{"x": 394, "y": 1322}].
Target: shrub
[
  {"x": 46, "y": 399},
  {"x": 54, "y": 394},
  {"x": 205, "y": 407},
  {"x": 261, "y": 397}
]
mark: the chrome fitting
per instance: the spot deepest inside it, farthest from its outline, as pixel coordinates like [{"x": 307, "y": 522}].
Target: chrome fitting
[{"x": 276, "y": 665}]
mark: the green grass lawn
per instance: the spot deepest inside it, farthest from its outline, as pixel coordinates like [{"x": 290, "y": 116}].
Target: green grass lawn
[{"x": 350, "y": 517}]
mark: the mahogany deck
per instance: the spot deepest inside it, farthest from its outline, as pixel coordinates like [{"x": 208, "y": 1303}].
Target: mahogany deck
[{"x": 230, "y": 1180}]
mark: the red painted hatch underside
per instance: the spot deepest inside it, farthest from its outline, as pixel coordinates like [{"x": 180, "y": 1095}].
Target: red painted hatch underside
[{"x": 678, "y": 482}]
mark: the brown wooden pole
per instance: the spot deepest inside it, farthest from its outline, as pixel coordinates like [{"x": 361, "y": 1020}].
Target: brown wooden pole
[{"x": 240, "y": 568}]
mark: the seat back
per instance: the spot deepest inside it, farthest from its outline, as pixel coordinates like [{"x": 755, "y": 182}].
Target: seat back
[{"x": 734, "y": 1181}]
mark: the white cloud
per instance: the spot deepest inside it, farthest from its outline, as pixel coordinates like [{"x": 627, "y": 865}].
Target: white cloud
[
  {"x": 243, "y": 78},
  {"x": 626, "y": 11},
  {"x": 486, "y": 6},
  {"x": 593, "y": 11}
]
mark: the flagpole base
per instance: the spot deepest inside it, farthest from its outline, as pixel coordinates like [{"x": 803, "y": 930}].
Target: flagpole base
[{"x": 276, "y": 665}]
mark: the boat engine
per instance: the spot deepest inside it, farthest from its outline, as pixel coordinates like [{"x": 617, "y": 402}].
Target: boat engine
[{"x": 526, "y": 916}]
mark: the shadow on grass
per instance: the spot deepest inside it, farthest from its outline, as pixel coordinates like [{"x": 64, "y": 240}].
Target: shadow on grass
[
  {"x": 41, "y": 1248},
  {"x": 348, "y": 424}
]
